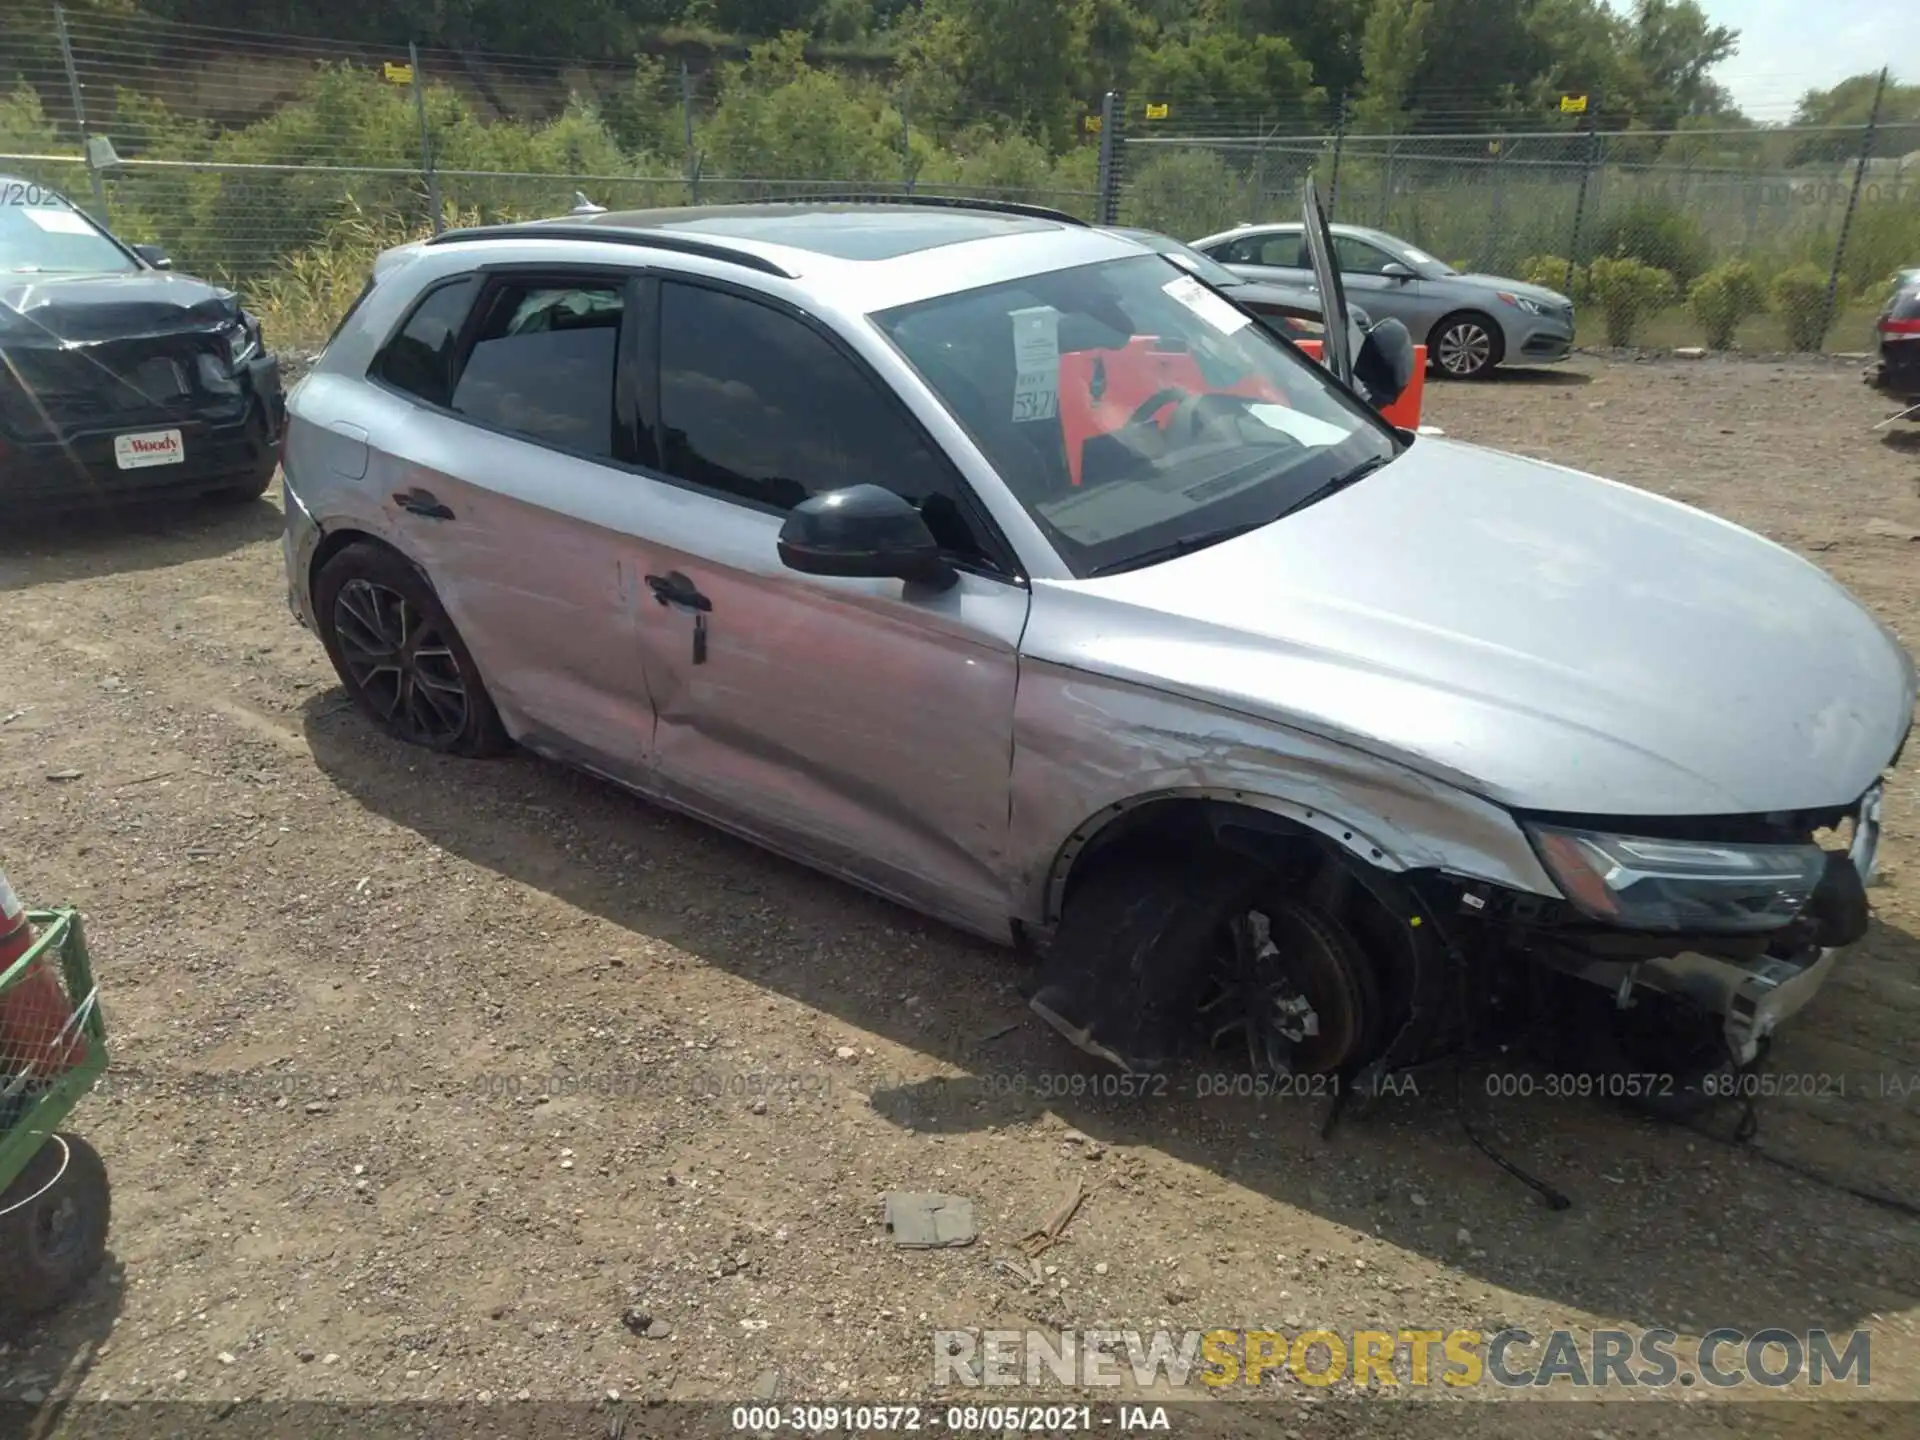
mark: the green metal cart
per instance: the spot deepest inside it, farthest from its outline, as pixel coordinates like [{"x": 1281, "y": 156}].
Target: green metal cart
[{"x": 55, "y": 1202}]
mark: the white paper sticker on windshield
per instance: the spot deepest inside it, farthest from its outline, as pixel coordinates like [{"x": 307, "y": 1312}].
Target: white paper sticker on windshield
[
  {"x": 60, "y": 222},
  {"x": 1036, "y": 363},
  {"x": 1207, "y": 305}
]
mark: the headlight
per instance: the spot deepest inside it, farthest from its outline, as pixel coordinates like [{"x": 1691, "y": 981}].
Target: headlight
[
  {"x": 1644, "y": 884},
  {"x": 242, "y": 339},
  {"x": 1521, "y": 302},
  {"x": 215, "y": 378}
]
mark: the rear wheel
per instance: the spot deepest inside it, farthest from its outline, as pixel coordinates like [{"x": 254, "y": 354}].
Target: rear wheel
[
  {"x": 1465, "y": 345},
  {"x": 53, "y": 1228},
  {"x": 400, "y": 657}
]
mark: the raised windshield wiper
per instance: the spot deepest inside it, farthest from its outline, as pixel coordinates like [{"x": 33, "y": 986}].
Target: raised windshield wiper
[{"x": 1173, "y": 549}]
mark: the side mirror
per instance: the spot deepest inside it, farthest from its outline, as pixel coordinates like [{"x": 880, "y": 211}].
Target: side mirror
[
  {"x": 1394, "y": 270},
  {"x": 154, "y": 256},
  {"x": 1385, "y": 362},
  {"x": 863, "y": 532}
]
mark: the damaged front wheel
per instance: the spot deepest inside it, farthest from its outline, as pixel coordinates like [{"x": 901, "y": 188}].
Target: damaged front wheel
[
  {"x": 1148, "y": 947},
  {"x": 1294, "y": 988}
]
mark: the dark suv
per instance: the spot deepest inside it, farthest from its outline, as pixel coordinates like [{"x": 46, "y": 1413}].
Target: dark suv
[{"x": 119, "y": 378}]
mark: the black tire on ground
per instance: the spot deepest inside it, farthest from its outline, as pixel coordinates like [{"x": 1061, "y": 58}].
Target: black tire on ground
[
  {"x": 54, "y": 1242},
  {"x": 430, "y": 693},
  {"x": 1128, "y": 961},
  {"x": 1470, "y": 335}
]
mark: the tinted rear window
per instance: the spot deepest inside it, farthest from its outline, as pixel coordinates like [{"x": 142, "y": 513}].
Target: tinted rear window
[{"x": 543, "y": 365}]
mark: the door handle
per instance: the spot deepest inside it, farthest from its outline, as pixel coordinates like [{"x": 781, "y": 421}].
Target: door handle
[
  {"x": 674, "y": 588},
  {"x": 422, "y": 502}
]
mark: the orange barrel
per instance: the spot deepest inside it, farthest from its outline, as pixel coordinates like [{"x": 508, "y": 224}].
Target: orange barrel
[
  {"x": 1404, "y": 412},
  {"x": 37, "y": 1031}
]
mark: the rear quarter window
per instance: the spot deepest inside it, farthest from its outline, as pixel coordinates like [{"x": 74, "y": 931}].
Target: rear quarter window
[{"x": 419, "y": 358}]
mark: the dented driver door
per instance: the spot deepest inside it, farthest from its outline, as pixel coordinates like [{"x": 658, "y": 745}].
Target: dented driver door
[{"x": 861, "y": 725}]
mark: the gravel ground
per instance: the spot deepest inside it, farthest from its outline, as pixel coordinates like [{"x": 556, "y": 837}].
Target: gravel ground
[{"x": 342, "y": 974}]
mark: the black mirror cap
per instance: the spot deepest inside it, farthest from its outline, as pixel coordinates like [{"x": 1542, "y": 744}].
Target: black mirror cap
[
  {"x": 1385, "y": 362},
  {"x": 862, "y": 532},
  {"x": 154, "y": 256}
]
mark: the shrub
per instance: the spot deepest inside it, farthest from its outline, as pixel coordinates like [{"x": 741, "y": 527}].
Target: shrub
[
  {"x": 1628, "y": 291},
  {"x": 1185, "y": 192},
  {"x": 1800, "y": 300},
  {"x": 1660, "y": 235},
  {"x": 1551, "y": 271},
  {"x": 1724, "y": 297},
  {"x": 302, "y": 300}
]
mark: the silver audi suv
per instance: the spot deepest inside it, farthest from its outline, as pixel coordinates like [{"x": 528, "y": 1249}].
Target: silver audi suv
[{"x": 992, "y": 562}]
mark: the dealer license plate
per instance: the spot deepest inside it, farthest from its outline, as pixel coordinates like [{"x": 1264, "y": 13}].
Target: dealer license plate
[{"x": 149, "y": 447}]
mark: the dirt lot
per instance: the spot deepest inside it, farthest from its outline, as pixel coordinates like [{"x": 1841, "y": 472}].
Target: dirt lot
[{"x": 329, "y": 962}]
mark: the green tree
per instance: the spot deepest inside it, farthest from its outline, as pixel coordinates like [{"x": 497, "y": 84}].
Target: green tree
[
  {"x": 1474, "y": 53},
  {"x": 1393, "y": 47},
  {"x": 1325, "y": 33},
  {"x": 1672, "y": 47},
  {"x": 844, "y": 21},
  {"x": 1117, "y": 31},
  {"x": 780, "y": 118},
  {"x": 24, "y": 126},
  {"x": 1849, "y": 104},
  {"x": 1184, "y": 192},
  {"x": 646, "y": 114},
  {"x": 1021, "y": 59},
  {"x": 1220, "y": 71}
]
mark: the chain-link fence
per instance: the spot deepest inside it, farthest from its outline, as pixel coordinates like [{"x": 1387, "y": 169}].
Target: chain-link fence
[
  {"x": 1774, "y": 239},
  {"x": 282, "y": 165}
]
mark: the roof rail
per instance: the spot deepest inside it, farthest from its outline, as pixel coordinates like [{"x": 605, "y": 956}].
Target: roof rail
[
  {"x": 615, "y": 235},
  {"x": 944, "y": 202}
]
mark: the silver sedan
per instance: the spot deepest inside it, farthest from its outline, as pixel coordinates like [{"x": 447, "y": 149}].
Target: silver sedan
[{"x": 1470, "y": 323}]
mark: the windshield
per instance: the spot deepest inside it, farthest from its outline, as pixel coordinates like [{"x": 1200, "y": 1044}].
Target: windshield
[
  {"x": 40, "y": 232},
  {"x": 1129, "y": 408},
  {"x": 1422, "y": 263},
  {"x": 1187, "y": 258}
]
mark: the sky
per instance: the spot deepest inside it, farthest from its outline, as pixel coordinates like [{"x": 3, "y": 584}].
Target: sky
[{"x": 1788, "y": 47}]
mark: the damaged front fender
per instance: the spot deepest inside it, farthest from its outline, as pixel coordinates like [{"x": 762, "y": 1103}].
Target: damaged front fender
[{"x": 1089, "y": 751}]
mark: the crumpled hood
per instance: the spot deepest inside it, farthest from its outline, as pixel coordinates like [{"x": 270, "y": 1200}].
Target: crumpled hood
[
  {"x": 1547, "y": 639},
  {"x": 55, "y": 308}
]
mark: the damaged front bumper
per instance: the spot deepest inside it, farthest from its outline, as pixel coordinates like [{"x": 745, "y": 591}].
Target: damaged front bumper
[
  {"x": 1755, "y": 997},
  {"x": 62, "y": 460}
]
